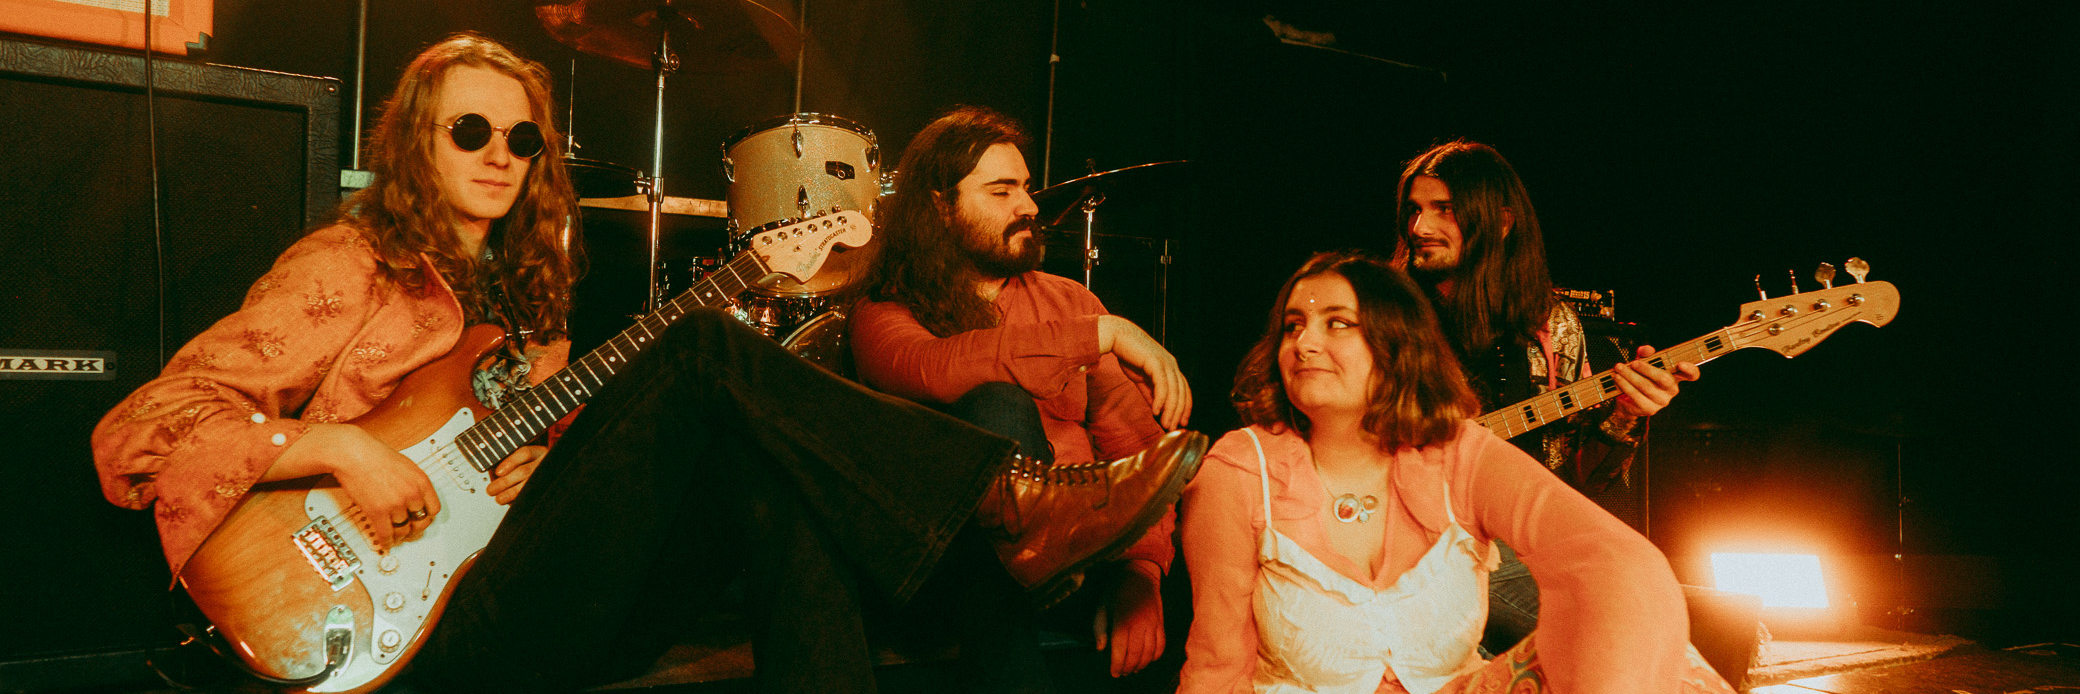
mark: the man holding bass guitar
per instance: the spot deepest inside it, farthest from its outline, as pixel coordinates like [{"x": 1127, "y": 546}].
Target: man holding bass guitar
[
  {"x": 1467, "y": 234},
  {"x": 314, "y": 505}
]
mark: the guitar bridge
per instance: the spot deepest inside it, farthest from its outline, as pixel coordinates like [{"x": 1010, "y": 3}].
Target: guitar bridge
[{"x": 328, "y": 553}]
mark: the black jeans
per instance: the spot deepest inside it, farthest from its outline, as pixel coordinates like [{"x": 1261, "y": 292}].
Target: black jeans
[
  {"x": 712, "y": 454},
  {"x": 1512, "y": 603}
]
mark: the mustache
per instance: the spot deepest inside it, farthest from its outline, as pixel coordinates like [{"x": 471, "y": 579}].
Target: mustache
[{"x": 1024, "y": 224}]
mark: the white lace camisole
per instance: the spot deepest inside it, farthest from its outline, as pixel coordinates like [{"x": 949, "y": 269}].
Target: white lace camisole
[{"x": 1320, "y": 631}]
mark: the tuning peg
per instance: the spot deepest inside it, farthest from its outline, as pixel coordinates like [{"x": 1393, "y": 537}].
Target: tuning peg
[
  {"x": 1826, "y": 275},
  {"x": 1857, "y": 268},
  {"x": 1794, "y": 280},
  {"x": 1758, "y": 288}
]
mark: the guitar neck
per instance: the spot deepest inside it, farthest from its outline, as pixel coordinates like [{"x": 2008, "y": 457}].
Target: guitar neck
[
  {"x": 530, "y": 412},
  {"x": 1595, "y": 390}
]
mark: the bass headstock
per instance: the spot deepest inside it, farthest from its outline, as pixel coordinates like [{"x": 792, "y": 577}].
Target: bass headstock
[{"x": 1790, "y": 325}]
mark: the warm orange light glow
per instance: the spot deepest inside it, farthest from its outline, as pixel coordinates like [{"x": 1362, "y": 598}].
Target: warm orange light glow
[{"x": 1783, "y": 580}]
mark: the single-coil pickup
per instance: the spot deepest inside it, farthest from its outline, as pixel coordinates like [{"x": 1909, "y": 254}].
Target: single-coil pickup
[{"x": 463, "y": 478}]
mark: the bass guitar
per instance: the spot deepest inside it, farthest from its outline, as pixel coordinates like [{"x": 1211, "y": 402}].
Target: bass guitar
[
  {"x": 293, "y": 585},
  {"x": 1789, "y": 326}
]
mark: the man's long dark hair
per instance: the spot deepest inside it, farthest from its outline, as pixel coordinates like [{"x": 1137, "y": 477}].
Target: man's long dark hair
[
  {"x": 921, "y": 264},
  {"x": 1501, "y": 288}
]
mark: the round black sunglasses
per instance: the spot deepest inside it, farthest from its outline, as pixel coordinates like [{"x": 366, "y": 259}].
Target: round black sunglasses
[{"x": 471, "y": 132}]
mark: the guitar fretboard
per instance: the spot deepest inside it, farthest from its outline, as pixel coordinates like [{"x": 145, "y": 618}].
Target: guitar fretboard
[
  {"x": 1598, "y": 389},
  {"x": 531, "y": 411}
]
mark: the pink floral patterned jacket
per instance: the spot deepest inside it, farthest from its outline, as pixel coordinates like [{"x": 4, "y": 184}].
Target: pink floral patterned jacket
[{"x": 321, "y": 338}]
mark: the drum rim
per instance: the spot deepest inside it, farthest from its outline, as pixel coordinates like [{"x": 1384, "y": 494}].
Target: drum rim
[{"x": 803, "y": 118}]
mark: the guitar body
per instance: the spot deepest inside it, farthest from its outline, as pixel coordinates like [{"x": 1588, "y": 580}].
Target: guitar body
[{"x": 258, "y": 577}]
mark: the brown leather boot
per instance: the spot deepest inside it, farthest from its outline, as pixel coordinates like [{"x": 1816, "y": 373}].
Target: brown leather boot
[{"x": 1058, "y": 520}]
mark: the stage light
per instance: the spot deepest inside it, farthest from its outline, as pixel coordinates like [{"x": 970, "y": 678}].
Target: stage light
[{"x": 1782, "y": 580}]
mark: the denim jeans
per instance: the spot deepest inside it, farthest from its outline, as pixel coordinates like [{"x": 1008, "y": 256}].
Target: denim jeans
[
  {"x": 1512, "y": 603},
  {"x": 715, "y": 453}
]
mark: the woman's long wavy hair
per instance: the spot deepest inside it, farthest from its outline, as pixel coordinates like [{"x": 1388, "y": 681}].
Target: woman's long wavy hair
[
  {"x": 921, "y": 264},
  {"x": 1501, "y": 288},
  {"x": 1418, "y": 396},
  {"x": 405, "y": 213}
]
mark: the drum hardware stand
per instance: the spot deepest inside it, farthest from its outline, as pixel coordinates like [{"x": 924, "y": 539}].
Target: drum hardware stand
[
  {"x": 1090, "y": 242},
  {"x": 666, "y": 64}
]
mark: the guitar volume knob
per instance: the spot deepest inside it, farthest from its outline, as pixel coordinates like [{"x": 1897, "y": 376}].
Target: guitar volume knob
[
  {"x": 393, "y": 602},
  {"x": 390, "y": 640}
]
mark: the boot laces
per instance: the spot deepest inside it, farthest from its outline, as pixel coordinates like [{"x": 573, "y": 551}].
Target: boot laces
[{"x": 1059, "y": 473}]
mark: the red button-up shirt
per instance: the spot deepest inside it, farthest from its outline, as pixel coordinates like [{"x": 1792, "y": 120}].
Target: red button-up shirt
[{"x": 1047, "y": 344}]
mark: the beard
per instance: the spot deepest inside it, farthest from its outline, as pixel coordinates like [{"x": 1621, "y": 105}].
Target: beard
[
  {"x": 1433, "y": 266},
  {"x": 991, "y": 253}
]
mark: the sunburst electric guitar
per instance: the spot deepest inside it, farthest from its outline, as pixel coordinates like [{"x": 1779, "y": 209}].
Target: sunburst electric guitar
[
  {"x": 1789, "y": 326},
  {"x": 290, "y": 579}
]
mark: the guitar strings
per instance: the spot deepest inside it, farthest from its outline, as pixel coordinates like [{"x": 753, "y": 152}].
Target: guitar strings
[
  {"x": 444, "y": 457},
  {"x": 1587, "y": 390},
  {"x": 441, "y": 459}
]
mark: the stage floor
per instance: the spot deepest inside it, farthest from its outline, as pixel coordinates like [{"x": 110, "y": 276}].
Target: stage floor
[{"x": 1958, "y": 667}]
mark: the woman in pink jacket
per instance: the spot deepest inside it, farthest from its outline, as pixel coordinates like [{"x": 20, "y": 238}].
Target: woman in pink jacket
[{"x": 1342, "y": 541}]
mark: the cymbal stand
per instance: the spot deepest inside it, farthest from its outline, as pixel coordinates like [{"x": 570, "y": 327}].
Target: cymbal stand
[
  {"x": 1090, "y": 243},
  {"x": 666, "y": 64}
]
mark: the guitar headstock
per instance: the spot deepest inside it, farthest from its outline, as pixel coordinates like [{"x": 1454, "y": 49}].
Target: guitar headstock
[
  {"x": 1791, "y": 325},
  {"x": 799, "y": 250}
]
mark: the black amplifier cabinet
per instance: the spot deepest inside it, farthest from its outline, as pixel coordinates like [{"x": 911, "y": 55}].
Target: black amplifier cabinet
[{"x": 247, "y": 164}]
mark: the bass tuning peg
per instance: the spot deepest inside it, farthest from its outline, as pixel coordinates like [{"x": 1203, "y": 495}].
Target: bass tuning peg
[{"x": 1858, "y": 268}]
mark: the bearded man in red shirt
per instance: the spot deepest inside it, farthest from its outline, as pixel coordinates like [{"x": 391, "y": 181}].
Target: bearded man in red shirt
[{"x": 957, "y": 315}]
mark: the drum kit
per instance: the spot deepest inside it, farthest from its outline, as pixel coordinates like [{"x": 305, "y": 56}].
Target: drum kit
[{"x": 779, "y": 172}]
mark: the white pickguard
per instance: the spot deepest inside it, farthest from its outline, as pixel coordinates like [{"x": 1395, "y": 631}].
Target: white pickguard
[{"x": 404, "y": 585}]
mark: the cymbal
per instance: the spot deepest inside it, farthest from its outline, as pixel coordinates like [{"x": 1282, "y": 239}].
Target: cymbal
[
  {"x": 707, "y": 35},
  {"x": 1062, "y": 200},
  {"x": 592, "y": 178}
]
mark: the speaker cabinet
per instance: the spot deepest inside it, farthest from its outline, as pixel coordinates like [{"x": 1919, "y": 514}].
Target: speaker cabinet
[{"x": 246, "y": 164}]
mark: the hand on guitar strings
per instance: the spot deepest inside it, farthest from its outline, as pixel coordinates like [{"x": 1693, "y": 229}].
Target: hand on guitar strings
[
  {"x": 396, "y": 499},
  {"x": 512, "y": 473},
  {"x": 1647, "y": 388}
]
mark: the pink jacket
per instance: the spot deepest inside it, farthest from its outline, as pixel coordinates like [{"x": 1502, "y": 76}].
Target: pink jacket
[
  {"x": 1603, "y": 589},
  {"x": 320, "y": 338}
]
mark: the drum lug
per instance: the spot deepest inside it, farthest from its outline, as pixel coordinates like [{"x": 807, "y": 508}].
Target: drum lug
[
  {"x": 873, "y": 156},
  {"x": 729, "y": 170},
  {"x": 801, "y": 201},
  {"x": 797, "y": 144}
]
